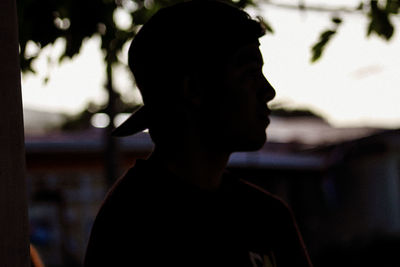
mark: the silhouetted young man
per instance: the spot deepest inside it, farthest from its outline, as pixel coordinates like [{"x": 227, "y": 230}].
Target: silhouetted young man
[{"x": 199, "y": 70}]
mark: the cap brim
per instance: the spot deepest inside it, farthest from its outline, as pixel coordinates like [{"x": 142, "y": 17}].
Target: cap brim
[{"x": 136, "y": 123}]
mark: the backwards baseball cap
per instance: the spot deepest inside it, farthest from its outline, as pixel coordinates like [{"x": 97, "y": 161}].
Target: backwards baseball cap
[{"x": 176, "y": 41}]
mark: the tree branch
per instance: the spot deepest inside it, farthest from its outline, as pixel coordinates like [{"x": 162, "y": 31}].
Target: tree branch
[{"x": 317, "y": 8}]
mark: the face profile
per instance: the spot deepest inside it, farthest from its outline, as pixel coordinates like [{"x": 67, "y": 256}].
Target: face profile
[{"x": 240, "y": 117}]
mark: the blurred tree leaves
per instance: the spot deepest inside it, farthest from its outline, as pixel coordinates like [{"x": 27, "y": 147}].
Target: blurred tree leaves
[
  {"x": 379, "y": 13},
  {"x": 44, "y": 21},
  {"x": 380, "y": 20},
  {"x": 324, "y": 38}
]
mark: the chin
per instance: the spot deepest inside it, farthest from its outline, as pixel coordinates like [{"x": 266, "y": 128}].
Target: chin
[
  {"x": 245, "y": 141},
  {"x": 252, "y": 144},
  {"x": 256, "y": 146}
]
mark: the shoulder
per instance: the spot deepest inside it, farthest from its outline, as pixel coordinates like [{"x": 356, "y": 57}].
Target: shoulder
[
  {"x": 132, "y": 190},
  {"x": 130, "y": 181},
  {"x": 120, "y": 218}
]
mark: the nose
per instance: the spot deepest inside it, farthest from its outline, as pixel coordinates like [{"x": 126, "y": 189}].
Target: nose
[
  {"x": 271, "y": 91},
  {"x": 268, "y": 92}
]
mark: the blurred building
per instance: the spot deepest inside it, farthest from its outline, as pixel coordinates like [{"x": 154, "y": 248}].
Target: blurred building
[
  {"x": 343, "y": 184},
  {"x": 40, "y": 122}
]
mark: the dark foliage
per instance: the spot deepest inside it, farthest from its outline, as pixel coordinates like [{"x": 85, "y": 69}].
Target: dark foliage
[
  {"x": 379, "y": 14},
  {"x": 44, "y": 21}
]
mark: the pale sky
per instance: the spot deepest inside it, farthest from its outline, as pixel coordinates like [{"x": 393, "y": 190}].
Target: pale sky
[{"x": 355, "y": 83}]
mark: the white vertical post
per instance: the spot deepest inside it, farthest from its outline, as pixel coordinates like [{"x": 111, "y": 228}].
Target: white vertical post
[{"x": 14, "y": 237}]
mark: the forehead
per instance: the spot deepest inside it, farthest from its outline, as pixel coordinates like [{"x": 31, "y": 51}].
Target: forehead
[{"x": 248, "y": 54}]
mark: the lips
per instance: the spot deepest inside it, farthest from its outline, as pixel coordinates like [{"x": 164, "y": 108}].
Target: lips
[
  {"x": 263, "y": 113},
  {"x": 268, "y": 111}
]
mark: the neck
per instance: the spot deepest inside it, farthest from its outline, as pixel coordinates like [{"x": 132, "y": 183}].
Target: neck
[{"x": 196, "y": 164}]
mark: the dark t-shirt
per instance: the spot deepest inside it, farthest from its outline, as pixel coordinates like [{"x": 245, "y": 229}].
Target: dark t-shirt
[{"x": 152, "y": 218}]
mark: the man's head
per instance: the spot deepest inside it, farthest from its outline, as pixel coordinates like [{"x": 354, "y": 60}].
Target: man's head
[{"x": 183, "y": 60}]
